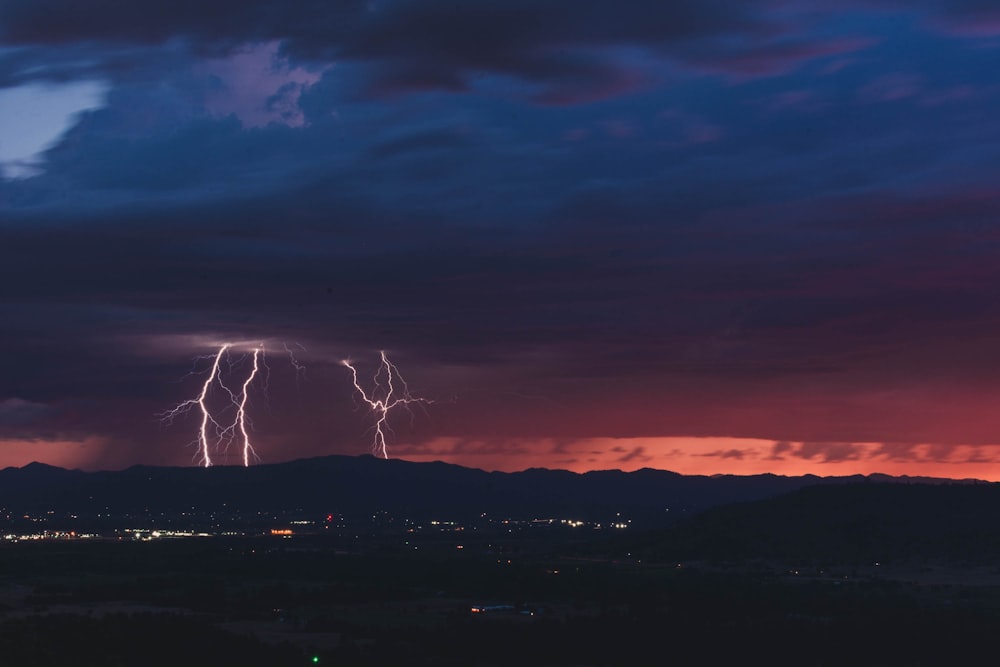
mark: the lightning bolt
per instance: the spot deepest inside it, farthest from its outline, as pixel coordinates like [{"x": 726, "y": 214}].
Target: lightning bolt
[
  {"x": 212, "y": 435},
  {"x": 300, "y": 370},
  {"x": 241, "y": 412},
  {"x": 206, "y": 415},
  {"x": 393, "y": 395}
]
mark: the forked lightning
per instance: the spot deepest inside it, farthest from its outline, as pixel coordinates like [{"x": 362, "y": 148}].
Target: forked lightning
[
  {"x": 393, "y": 395},
  {"x": 213, "y": 436}
]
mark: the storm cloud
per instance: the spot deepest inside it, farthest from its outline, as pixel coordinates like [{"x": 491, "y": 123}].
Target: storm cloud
[{"x": 565, "y": 221}]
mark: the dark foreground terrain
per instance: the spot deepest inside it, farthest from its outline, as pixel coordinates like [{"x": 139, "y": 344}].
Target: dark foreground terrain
[{"x": 859, "y": 575}]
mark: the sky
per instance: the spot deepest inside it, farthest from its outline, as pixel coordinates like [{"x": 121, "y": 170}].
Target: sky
[{"x": 707, "y": 236}]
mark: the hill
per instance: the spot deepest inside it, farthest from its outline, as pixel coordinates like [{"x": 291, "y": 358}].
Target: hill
[
  {"x": 862, "y": 522},
  {"x": 359, "y": 485}
]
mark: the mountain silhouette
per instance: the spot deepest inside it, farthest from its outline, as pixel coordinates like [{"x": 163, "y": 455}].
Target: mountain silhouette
[
  {"x": 362, "y": 484},
  {"x": 865, "y": 522}
]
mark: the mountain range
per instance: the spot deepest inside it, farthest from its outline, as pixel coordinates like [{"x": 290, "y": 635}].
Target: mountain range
[{"x": 354, "y": 485}]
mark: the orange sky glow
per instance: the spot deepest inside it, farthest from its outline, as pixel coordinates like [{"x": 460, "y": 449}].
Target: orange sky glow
[{"x": 711, "y": 456}]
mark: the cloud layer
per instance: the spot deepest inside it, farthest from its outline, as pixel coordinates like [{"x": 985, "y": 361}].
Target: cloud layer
[{"x": 565, "y": 221}]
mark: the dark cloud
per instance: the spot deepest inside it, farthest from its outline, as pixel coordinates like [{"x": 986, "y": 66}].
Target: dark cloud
[
  {"x": 974, "y": 17},
  {"x": 772, "y": 57},
  {"x": 948, "y": 453},
  {"x": 780, "y": 449},
  {"x": 580, "y": 219},
  {"x": 412, "y": 46},
  {"x": 829, "y": 452},
  {"x": 18, "y": 412},
  {"x": 223, "y": 22},
  {"x": 735, "y": 454},
  {"x": 635, "y": 454},
  {"x": 445, "y": 45}
]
